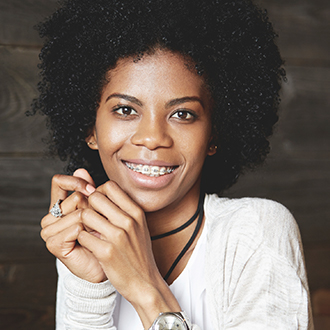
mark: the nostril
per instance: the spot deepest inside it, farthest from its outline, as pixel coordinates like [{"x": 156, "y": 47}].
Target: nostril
[{"x": 152, "y": 137}]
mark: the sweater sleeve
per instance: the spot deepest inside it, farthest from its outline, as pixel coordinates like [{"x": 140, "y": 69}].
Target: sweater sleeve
[
  {"x": 257, "y": 266},
  {"x": 82, "y": 305}
]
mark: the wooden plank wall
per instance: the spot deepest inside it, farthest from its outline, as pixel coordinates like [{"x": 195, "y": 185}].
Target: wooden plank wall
[
  {"x": 27, "y": 272},
  {"x": 296, "y": 174}
]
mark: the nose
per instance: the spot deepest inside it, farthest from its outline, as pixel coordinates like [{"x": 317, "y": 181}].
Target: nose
[{"x": 152, "y": 133}]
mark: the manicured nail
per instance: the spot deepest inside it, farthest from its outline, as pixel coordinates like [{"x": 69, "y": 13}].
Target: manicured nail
[{"x": 90, "y": 188}]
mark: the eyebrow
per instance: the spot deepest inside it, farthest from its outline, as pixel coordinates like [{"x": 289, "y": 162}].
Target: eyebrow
[
  {"x": 169, "y": 104},
  {"x": 125, "y": 97},
  {"x": 182, "y": 100}
]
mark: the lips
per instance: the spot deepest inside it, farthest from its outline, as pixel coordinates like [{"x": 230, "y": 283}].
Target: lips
[{"x": 150, "y": 170}]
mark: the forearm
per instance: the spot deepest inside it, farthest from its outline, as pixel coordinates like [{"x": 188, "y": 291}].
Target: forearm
[{"x": 84, "y": 305}]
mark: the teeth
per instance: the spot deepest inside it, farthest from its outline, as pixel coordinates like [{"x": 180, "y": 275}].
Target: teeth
[
  {"x": 150, "y": 170},
  {"x": 146, "y": 170},
  {"x": 154, "y": 171},
  {"x": 138, "y": 168}
]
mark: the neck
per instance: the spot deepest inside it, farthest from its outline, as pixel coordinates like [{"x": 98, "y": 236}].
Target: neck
[
  {"x": 174, "y": 215},
  {"x": 167, "y": 249}
]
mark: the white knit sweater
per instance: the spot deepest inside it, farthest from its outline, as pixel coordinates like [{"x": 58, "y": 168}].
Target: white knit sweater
[{"x": 255, "y": 273}]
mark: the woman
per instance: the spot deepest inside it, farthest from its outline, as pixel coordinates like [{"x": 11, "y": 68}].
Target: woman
[{"x": 160, "y": 102}]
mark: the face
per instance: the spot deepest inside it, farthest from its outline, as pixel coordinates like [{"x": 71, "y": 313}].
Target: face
[{"x": 153, "y": 129}]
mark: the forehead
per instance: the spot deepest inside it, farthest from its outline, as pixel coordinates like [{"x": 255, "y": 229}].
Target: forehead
[{"x": 164, "y": 71}]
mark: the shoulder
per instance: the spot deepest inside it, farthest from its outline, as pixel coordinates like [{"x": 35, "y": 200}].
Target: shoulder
[
  {"x": 257, "y": 209},
  {"x": 251, "y": 222},
  {"x": 254, "y": 262}
]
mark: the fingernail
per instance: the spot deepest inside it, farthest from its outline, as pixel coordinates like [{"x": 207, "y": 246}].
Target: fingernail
[{"x": 90, "y": 188}]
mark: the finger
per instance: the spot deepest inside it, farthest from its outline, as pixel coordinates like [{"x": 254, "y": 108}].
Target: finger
[
  {"x": 117, "y": 196},
  {"x": 75, "y": 201},
  {"x": 62, "y": 184},
  {"x": 104, "y": 206},
  {"x": 53, "y": 228},
  {"x": 63, "y": 243},
  {"x": 112, "y": 223},
  {"x": 83, "y": 174},
  {"x": 103, "y": 251},
  {"x": 97, "y": 223}
]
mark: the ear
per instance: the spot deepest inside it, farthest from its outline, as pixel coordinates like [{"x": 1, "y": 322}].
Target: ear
[
  {"x": 212, "y": 145},
  {"x": 212, "y": 149},
  {"x": 91, "y": 140}
]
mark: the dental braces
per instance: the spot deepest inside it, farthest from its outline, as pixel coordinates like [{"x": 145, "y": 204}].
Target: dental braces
[{"x": 150, "y": 170}]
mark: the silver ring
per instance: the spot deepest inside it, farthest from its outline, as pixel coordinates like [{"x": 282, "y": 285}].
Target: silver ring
[{"x": 56, "y": 210}]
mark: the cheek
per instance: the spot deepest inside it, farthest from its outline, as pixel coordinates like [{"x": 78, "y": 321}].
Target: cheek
[
  {"x": 111, "y": 137},
  {"x": 195, "y": 146}
]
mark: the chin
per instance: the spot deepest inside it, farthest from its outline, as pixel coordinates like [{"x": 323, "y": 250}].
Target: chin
[
  {"x": 149, "y": 205},
  {"x": 150, "y": 202}
]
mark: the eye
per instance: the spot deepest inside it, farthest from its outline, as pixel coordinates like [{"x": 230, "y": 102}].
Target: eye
[
  {"x": 184, "y": 115},
  {"x": 125, "y": 111}
]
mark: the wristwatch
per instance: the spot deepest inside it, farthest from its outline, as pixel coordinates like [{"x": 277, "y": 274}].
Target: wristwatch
[{"x": 169, "y": 321}]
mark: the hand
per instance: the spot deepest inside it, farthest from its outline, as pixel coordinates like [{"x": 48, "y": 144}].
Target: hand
[
  {"x": 123, "y": 249},
  {"x": 60, "y": 234}
]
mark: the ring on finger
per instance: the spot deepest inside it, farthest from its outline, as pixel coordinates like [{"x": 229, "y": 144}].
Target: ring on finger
[{"x": 56, "y": 210}]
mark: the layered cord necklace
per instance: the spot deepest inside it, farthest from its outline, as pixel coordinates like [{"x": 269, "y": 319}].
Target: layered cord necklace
[{"x": 200, "y": 212}]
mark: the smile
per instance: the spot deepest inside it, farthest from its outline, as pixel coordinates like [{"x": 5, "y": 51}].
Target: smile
[{"x": 147, "y": 170}]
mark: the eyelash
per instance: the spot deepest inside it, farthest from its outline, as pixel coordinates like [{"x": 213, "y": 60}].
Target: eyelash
[
  {"x": 191, "y": 116},
  {"x": 119, "y": 109}
]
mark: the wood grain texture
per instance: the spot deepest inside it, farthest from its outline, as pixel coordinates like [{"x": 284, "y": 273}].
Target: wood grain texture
[
  {"x": 25, "y": 189},
  {"x": 22, "y": 244},
  {"x": 303, "y": 27},
  {"x": 305, "y": 116},
  {"x": 27, "y": 269},
  {"x": 318, "y": 267},
  {"x": 27, "y": 296},
  {"x": 18, "y": 18},
  {"x": 18, "y": 81}
]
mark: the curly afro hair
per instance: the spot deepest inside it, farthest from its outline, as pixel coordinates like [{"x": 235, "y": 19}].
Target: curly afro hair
[{"x": 231, "y": 43}]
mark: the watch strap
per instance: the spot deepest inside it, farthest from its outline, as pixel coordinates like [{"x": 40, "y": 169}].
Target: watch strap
[{"x": 186, "y": 319}]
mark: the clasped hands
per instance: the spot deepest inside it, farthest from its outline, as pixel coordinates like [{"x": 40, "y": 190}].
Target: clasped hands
[{"x": 102, "y": 235}]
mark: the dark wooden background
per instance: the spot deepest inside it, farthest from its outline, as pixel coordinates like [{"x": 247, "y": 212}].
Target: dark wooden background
[{"x": 296, "y": 174}]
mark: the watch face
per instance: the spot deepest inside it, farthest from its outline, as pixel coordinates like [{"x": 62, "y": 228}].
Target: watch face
[{"x": 170, "y": 322}]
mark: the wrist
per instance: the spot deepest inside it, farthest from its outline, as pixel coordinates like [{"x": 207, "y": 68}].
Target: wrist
[{"x": 153, "y": 301}]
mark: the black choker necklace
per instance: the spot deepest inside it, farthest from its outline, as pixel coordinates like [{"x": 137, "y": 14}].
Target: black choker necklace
[{"x": 199, "y": 211}]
